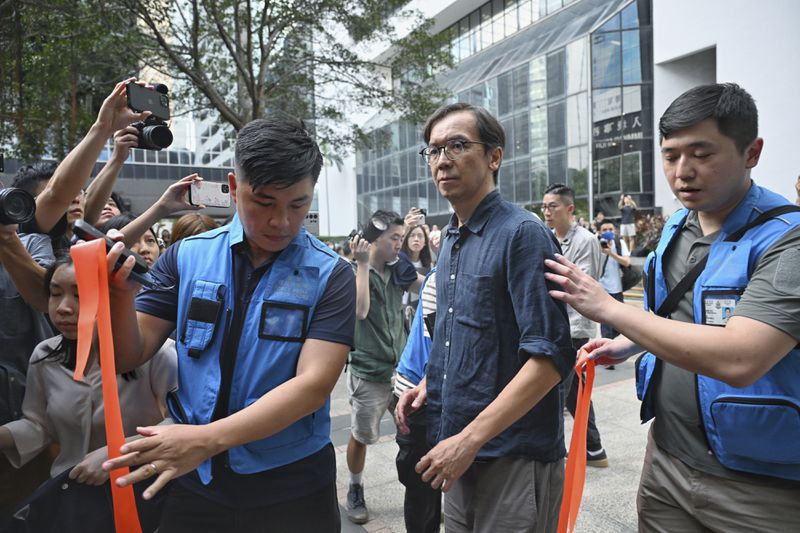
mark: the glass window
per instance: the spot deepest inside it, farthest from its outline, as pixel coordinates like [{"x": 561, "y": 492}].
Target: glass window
[
  {"x": 539, "y": 179},
  {"x": 577, "y": 67},
  {"x": 556, "y": 132},
  {"x": 611, "y": 25},
  {"x": 520, "y": 91},
  {"x": 606, "y": 103},
  {"x": 577, "y": 120},
  {"x": 524, "y": 13},
  {"x": 578, "y": 170},
  {"x": 504, "y": 98},
  {"x": 491, "y": 95},
  {"x": 510, "y": 16},
  {"x": 485, "y": 30},
  {"x": 498, "y": 26},
  {"x": 538, "y": 135},
  {"x": 631, "y": 57},
  {"x": 521, "y": 134},
  {"x": 555, "y": 73},
  {"x": 522, "y": 181},
  {"x": 632, "y": 172},
  {"x": 404, "y": 175},
  {"x": 538, "y": 79},
  {"x": 607, "y": 174},
  {"x": 630, "y": 17},
  {"x": 508, "y": 128},
  {"x": 553, "y": 5},
  {"x": 606, "y": 68},
  {"x": 434, "y": 202},
  {"x": 557, "y": 167},
  {"x": 505, "y": 181},
  {"x": 421, "y": 195}
]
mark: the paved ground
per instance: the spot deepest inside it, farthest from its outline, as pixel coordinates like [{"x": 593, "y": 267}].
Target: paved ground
[{"x": 609, "y": 501}]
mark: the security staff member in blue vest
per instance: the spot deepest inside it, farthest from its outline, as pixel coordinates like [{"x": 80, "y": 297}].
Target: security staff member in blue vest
[
  {"x": 264, "y": 317},
  {"x": 721, "y": 372}
]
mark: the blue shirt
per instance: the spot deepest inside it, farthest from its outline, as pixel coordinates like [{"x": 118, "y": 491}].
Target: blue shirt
[{"x": 493, "y": 312}]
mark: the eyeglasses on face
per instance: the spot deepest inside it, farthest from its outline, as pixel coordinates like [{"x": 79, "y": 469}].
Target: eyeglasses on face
[{"x": 453, "y": 149}]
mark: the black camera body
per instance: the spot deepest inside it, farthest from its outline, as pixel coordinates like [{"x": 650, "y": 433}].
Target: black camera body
[
  {"x": 603, "y": 243},
  {"x": 154, "y": 134},
  {"x": 373, "y": 229},
  {"x": 17, "y": 206}
]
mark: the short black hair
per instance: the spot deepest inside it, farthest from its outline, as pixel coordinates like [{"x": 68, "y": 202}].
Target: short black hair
[
  {"x": 390, "y": 218},
  {"x": 29, "y": 177},
  {"x": 607, "y": 221},
  {"x": 731, "y": 106},
  {"x": 490, "y": 131},
  {"x": 559, "y": 189},
  {"x": 123, "y": 204},
  {"x": 276, "y": 150}
]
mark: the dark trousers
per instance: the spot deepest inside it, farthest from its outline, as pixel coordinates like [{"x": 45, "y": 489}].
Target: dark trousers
[
  {"x": 422, "y": 506},
  {"x": 571, "y": 387},
  {"x": 607, "y": 331},
  {"x": 187, "y": 512}
]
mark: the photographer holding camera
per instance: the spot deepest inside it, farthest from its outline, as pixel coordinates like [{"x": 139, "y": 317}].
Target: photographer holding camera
[{"x": 380, "y": 337}]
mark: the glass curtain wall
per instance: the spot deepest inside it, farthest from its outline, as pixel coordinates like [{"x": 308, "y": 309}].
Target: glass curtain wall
[{"x": 590, "y": 97}]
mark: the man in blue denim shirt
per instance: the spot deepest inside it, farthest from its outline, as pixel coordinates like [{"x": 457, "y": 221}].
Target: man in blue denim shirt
[{"x": 501, "y": 344}]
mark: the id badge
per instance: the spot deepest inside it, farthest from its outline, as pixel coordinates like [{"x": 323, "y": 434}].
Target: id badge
[{"x": 719, "y": 306}]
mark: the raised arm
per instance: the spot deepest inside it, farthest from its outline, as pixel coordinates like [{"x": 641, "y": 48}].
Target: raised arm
[
  {"x": 100, "y": 189},
  {"x": 71, "y": 175},
  {"x": 360, "y": 249},
  {"x": 173, "y": 200}
]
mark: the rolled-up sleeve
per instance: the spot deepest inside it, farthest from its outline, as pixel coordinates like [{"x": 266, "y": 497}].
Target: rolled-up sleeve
[{"x": 542, "y": 321}]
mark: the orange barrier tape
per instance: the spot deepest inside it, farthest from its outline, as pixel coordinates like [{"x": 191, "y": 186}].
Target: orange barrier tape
[
  {"x": 575, "y": 476},
  {"x": 92, "y": 276}
]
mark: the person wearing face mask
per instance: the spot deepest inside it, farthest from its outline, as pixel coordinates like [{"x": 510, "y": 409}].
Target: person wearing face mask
[
  {"x": 380, "y": 337},
  {"x": 616, "y": 255}
]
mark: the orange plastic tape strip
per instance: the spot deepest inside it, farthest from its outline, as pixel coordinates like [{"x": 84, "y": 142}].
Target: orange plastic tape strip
[
  {"x": 92, "y": 276},
  {"x": 575, "y": 476}
]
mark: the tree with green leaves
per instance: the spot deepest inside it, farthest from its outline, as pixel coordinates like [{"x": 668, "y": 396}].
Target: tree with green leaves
[
  {"x": 58, "y": 60},
  {"x": 243, "y": 58}
]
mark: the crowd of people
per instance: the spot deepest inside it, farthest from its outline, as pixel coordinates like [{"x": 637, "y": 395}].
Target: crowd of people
[{"x": 467, "y": 335}]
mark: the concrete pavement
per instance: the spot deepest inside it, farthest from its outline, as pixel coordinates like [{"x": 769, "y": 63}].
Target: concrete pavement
[{"x": 609, "y": 499}]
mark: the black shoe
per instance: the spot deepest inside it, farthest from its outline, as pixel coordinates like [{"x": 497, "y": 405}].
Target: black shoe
[
  {"x": 356, "y": 506},
  {"x": 597, "y": 459},
  {"x": 610, "y": 367}
]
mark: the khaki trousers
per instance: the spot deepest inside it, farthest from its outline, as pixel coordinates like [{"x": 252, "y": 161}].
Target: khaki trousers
[{"x": 673, "y": 497}]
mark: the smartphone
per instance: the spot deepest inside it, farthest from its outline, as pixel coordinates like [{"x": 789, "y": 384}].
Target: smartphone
[
  {"x": 139, "y": 274},
  {"x": 144, "y": 99},
  {"x": 210, "y": 194}
]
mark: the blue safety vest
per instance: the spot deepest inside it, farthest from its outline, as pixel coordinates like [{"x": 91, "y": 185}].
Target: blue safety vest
[
  {"x": 275, "y": 323},
  {"x": 756, "y": 428}
]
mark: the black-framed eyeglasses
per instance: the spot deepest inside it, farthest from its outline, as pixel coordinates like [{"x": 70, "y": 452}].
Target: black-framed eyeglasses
[{"x": 453, "y": 149}]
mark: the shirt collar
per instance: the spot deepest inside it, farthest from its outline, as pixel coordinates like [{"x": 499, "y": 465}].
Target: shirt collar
[{"x": 480, "y": 216}]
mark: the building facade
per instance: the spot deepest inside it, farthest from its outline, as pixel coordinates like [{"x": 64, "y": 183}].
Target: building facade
[{"x": 572, "y": 84}]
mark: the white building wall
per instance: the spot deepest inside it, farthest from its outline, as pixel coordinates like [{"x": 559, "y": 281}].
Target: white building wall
[
  {"x": 336, "y": 198},
  {"x": 756, "y": 45}
]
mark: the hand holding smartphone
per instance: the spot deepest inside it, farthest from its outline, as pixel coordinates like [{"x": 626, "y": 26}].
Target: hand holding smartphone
[{"x": 209, "y": 194}]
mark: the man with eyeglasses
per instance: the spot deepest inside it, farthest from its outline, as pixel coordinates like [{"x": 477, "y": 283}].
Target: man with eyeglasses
[
  {"x": 582, "y": 248},
  {"x": 501, "y": 344}
]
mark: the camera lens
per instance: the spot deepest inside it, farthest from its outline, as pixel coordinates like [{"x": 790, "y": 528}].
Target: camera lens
[
  {"x": 225, "y": 188},
  {"x": 16, "y": 206},
  {"x": 156, "y": 137}
]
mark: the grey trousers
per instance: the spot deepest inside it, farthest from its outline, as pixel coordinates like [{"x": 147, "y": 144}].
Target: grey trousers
[
  {"x": 675, "y": 497},
  {"x": 509, "y": 494}
]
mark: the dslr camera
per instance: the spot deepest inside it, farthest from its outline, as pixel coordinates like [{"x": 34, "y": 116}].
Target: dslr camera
[
  {"x": 374, "y": 229},
  {"x": 17, "y": 206},
  {"x": 154, "y": 134}
]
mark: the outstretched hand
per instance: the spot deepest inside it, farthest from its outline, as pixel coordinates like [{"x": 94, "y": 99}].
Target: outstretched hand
[
  {"x": 175, "y": 197},
  {"x": 579, "y": 290},
  {"x": 114, "y": 113},
  {"x": 166, "y": 451}
]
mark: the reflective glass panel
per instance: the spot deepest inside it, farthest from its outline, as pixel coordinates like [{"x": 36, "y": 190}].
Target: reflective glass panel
[
  {"x": 606, "y": 62},
  {"x": 538, "y": 79},
  {"x": 577, "y": 66},
  {"x": 538, "y": 135},
  {"x": 630, "y": 17},
  {"x": 556, "y": 132},
  {"x": 631, "y": 57},
  {"x": 577, "y": 119},
  {"x": 522, "y": 181},
  {"x": 521, "y": 134},
  {"x": 555, "y": 73}
]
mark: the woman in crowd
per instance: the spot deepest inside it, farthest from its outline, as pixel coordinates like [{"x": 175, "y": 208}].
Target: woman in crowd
[
  {"x": 417, "y": 249},
  {"x": 147, "y": 243},
  {"x": 191, "y": 224},
  {"x": 58, "y": 409},
  {"x": 627, "y": 225}
]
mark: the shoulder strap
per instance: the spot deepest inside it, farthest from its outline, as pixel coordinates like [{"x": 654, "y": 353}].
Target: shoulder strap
[{"x": 687, "y": 282}]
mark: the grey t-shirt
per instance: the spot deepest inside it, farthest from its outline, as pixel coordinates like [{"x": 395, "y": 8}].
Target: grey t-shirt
[
  {"x": 21, "y": 326},
  {"x": 772, "y": 296}
]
